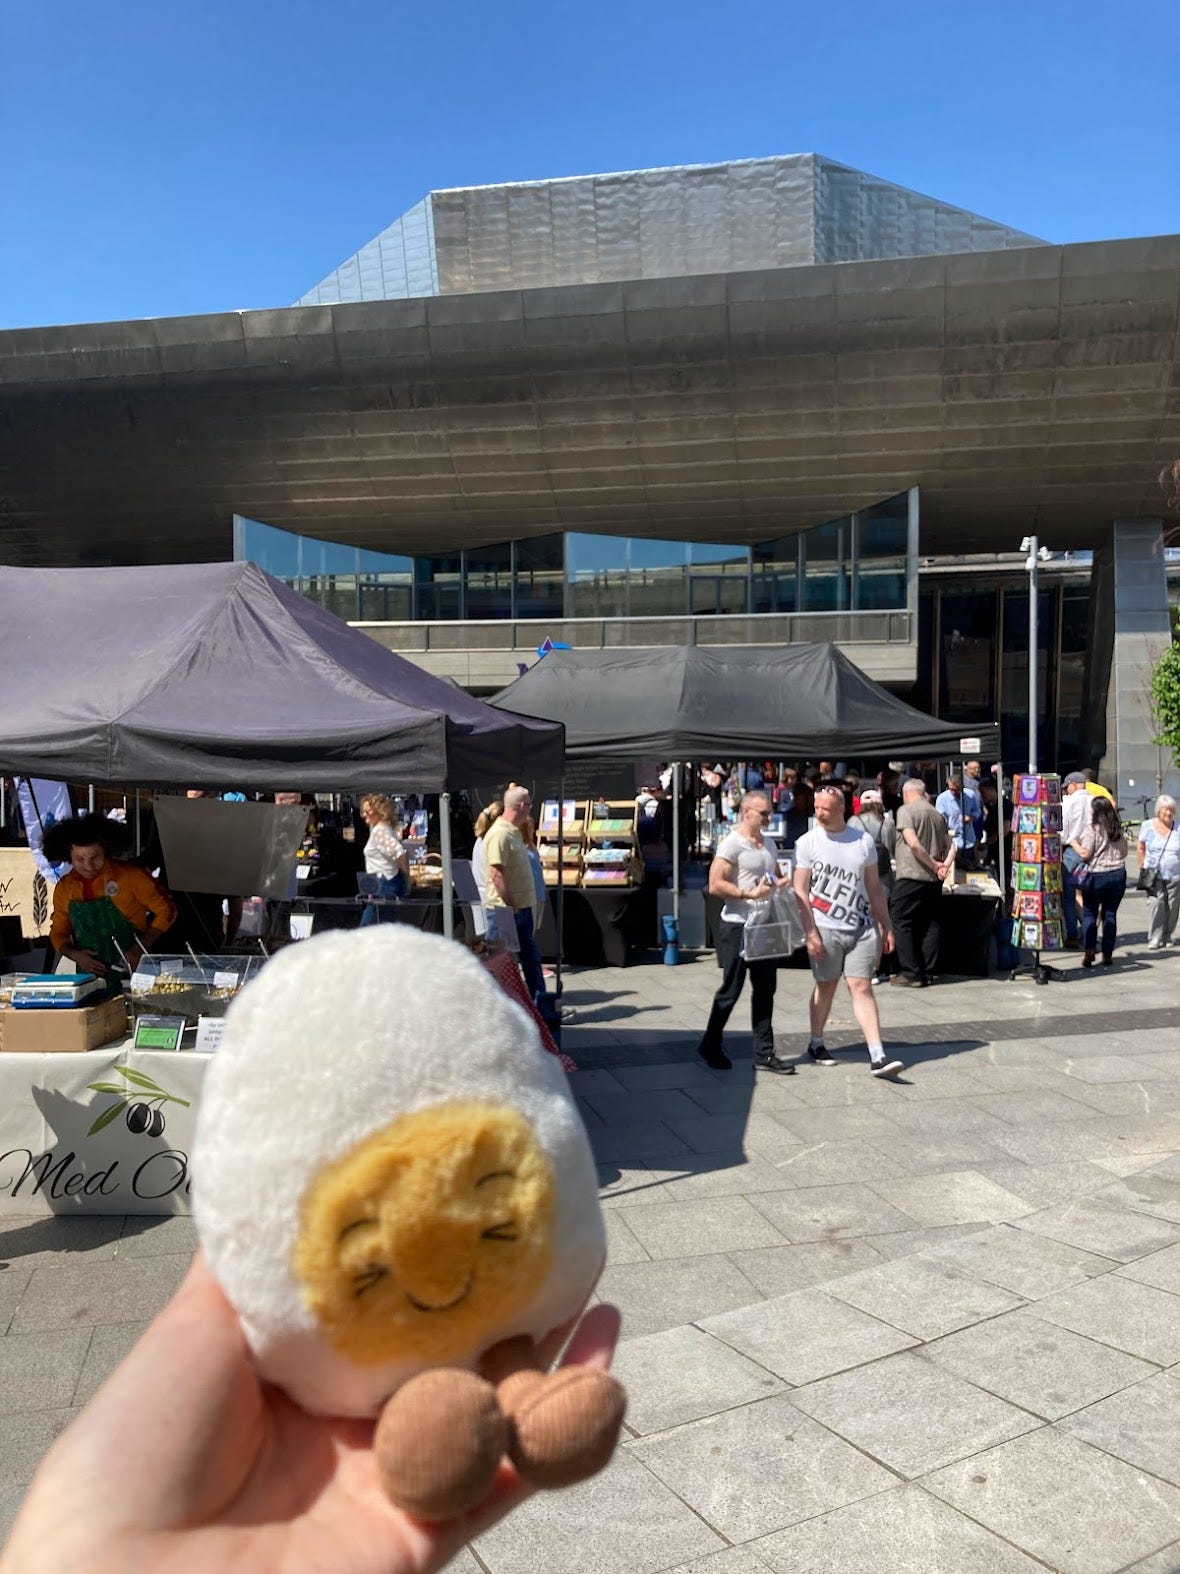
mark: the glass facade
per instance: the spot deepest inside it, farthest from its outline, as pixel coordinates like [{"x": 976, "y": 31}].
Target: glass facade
[
  {"x": 973, "y": 662},
  {"x": 864, "y": 562}
]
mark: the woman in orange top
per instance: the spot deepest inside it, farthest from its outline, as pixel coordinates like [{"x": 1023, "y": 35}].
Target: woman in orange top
[{"x": 100, "y": 906}]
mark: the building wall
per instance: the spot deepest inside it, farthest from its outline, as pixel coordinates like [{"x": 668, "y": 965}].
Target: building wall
[{"x": 654, "y": 224}]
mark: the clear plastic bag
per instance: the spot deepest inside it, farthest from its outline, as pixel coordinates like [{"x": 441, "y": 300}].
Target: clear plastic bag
[{"x": 773, "y": 927}]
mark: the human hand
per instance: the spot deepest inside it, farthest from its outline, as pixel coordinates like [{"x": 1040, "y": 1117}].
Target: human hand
[
  {"x": 887, "y": 940},
  {"x": 185, "y": 1461},
  {"x": 815, "y": 944},
  {"x": 86, "y": 961}
]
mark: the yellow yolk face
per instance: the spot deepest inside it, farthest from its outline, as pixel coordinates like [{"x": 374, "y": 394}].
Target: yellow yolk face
[{"x": 429, "y": 1232}]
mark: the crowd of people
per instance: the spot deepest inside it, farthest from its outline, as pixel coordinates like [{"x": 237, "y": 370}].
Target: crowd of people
[{"x": 869, "y": 865}]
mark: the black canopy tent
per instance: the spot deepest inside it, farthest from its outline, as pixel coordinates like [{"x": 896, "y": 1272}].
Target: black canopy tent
[
  {"x": 744, "y": 701},
  {"x": 203, "y": 674},
  {"x": 685, "y": 702}
]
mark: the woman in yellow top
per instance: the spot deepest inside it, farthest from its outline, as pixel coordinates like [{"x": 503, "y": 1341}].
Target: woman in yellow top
[{"x": 101, "y": 906}]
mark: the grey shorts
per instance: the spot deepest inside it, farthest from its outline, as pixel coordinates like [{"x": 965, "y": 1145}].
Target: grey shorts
[{"x": 846, "y": 955}]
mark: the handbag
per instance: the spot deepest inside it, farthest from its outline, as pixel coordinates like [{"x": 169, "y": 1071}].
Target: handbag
[{"x": 1150, "y": 879}]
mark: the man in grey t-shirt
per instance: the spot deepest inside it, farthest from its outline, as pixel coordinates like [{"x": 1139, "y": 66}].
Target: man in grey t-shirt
[{"x": 744, "y": 870}]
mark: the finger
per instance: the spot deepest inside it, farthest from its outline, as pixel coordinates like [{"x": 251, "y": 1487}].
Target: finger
[{"x": 595, "y": 1338}]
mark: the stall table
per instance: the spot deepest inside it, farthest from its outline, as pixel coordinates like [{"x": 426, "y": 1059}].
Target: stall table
[{"x": 603, "y": 928}]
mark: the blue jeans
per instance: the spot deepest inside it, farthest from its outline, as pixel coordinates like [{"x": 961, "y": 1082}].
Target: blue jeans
[
  {"x": 1103, "y": 891},
  {"x": 1069, "y": 894},
  {"x": 394, "y": 886}
]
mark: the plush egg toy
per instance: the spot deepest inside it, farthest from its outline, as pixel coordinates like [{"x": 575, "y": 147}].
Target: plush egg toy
[{"x": 393, "y": 1186}]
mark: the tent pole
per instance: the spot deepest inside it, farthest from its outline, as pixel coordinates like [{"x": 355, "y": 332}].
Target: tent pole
[
  {"x": 1000, "y": 822},
  {"x": 676, "y": 843},
  {"x": 444, "y": 842},
  {"x": 559, "y": 916},
  {"x": 90, "y": 797},
  {"x": 3, "y": 803},
  {"x": 138, "y": 835}
]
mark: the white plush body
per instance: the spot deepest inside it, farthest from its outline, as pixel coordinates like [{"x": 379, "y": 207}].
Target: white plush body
[{"x": 335, "y": 1039}]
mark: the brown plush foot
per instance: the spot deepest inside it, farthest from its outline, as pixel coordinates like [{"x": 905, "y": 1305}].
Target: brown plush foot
[
  {"x": 564, "y": 1426},
  {"x": 439, "y": 1443}
]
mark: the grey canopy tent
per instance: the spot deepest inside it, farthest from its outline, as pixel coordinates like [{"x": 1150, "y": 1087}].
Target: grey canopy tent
[
  {"x": 200, "y": 674},
  {"x": 739, "y": 701}
]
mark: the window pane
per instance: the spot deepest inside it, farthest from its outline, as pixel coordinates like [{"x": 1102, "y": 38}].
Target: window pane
[
  {"x": 657, "y": 579},
  {"x": 825, "y": 568},
  {"x": 596, "y": 569},
  {"x": 275, "y": 551},
  {"x": 967, "y": 656},
  {"x": 438, "y": 586},
  {"x": 718, "y": 577},
  {"x": 540, "y": 577},
  {"x": 882, "y": 543},
  {"x": 1071, "y": 672},
  {"x": 776, "y": 575},
  {"x": 489, "y": 581}
]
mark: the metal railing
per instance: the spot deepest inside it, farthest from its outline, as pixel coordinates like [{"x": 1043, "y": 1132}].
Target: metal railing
[{"x": 765, "y": 628}]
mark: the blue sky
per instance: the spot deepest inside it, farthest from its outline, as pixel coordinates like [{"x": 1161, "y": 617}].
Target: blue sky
[{"x": 168, "y": 158}]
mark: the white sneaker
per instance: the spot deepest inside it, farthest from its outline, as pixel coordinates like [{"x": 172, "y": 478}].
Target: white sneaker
[{"x": 886, "y": 1068}]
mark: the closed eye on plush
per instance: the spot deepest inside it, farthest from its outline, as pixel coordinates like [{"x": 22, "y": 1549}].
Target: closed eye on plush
[{"x": 500, "y": 1232}]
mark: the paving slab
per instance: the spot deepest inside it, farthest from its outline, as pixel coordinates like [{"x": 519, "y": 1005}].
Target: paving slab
[
  {"x": 955, "y": 1197},
  {"x": 910, "y": 1414},
  {"x": 780, "y": 1270},
  {"x": 1139, "y": 1424},
  {"x": 829, "y": 1212},
  {"x": 1161, "y": 1269},
  {"x": 806, "y": 1335},
  {"x": 900, "y": 1531},
  {"x": 702, "y": 1227},
  {"x": 653, "y": 1296},
  {"x": 623, "y": 1521},
  {"x": 40, "y": 1370},
  {"x": 1119, "y": 1312},
  {"x": 1036, "y": 1365},
  {"x": 1075, "y": 1508},
  {"x": 755, "y": 1470},
  {"x": 923, "y": 1296},
  {"x": 683, "y": 1374},
  {"x": 1029, "y": 1265},
  {"x": 114, "y": 1291},
  {"x": 1102, "y": 1228},
  {"x": 734, "y": 1560}
]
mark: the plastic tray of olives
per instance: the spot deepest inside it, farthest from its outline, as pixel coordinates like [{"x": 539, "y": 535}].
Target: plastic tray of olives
[{"x": 179, "y": 986}]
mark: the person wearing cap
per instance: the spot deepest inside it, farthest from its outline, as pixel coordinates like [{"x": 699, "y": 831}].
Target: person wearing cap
[
  {"x": 846, "y": 922},
  {"x": 1077, "y": 813}
]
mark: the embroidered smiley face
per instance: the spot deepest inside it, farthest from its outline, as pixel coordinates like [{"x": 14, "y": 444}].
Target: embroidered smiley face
[{"x": 427, "y": 1234}]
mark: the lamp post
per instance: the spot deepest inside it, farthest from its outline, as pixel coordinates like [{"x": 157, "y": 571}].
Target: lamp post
[{"x": 1037, "y": 554}]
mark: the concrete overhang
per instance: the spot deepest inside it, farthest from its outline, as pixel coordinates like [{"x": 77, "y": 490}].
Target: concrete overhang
[{"x": 1034, "y": 388}]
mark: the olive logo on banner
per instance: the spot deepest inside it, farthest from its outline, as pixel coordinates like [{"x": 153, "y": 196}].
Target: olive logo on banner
[{"x": 141, "y": 1101}]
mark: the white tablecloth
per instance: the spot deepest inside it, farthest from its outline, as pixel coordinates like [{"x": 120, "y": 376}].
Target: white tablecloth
[{"x": 106, "y": 1132}]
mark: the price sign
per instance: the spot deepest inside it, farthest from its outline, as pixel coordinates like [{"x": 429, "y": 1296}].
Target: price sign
[
  {"x": 209, "y": 1034},
  {"x": 141, "y": 983},
  {"x": 225, "y": 981}
]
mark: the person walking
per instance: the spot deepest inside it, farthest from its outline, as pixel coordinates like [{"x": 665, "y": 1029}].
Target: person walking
[
  {"x": 846, "y": 921},
  {"x": 1159, "y": 851},
  {"x": 385, "y": 856},
  {"x": 744, "y": 870},
  {"x": 1077, "y": 808},
  {"x": 924, "y": 853},
  {"x": 1103, "y": 849}
]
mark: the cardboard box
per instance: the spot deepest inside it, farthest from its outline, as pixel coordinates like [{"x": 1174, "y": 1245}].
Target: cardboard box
[{"x": 61, "y": 1030}]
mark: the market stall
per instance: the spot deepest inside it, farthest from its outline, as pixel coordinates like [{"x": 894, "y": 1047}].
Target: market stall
[
  {"x": 738, "y": 702},
  {"x": 211, "y": 674}
]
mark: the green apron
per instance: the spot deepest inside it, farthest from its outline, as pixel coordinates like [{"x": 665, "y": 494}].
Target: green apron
[{"x": 97, "y": 925}]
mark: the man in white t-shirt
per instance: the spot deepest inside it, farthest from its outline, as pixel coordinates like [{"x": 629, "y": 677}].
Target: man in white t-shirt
[
  {"x": 843, "y": 909},
  {"x": 744, "y": 870}
]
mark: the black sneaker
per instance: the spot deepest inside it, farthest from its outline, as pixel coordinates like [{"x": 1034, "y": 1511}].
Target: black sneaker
[
  {"x": 772, "y": 1062},
  {"x": 715, "y": 1059},
  {"x": 886, "y": 1068},
  {"x": 820, "y": 1057},
  {"x": 904, "y": 981}
]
